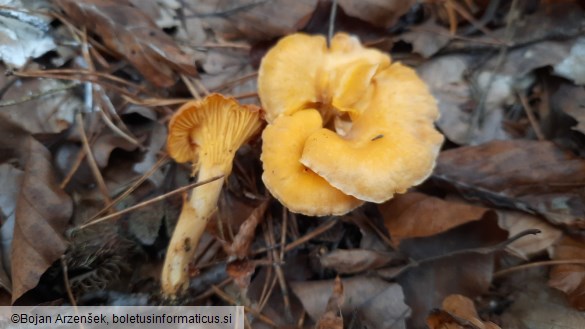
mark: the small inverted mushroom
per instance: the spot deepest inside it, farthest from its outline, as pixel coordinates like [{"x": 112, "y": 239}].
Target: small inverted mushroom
[{"x": 206, "y": 133}]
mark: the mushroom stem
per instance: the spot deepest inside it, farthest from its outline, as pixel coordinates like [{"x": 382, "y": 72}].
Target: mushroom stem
[{"x": 193, "y": 219}]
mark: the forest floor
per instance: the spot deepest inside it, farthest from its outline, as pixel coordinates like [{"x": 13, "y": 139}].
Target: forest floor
[{"x": 89, "y": 196}]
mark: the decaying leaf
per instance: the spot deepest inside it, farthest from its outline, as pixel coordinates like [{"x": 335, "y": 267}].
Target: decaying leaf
[
  {"x": 144, "y": 223},
  {"x": 382, "y": 13},
  {"x": 50, "y": 114},
  {"x": 530, "y": 176},
  {"x": 23, "y": 35},
  {"x": 240, "y": 247},
  {"x": 515, "y": 222},
  {"x": 11, "y": 179},
  {"x": 347, "y": 261},
  {"x": 570, "y": 278},
  {"x": 378, "y": 304},
  {"x": 331, "y": 318},
  {"x": 458, "y": 313},
  {"x": 427, "y": 39},
  {"x": 536, "y": 306},
  {"x": 415, "y": 215},
  {"x": 256, "y": 20},
  {"x": 573, "y": 66},
  {"x": 42, "y": 213},
  {"x": 131, "y": 33},
  {"x": 445, "y": 264},
  {"x": 449, "y": 79}
]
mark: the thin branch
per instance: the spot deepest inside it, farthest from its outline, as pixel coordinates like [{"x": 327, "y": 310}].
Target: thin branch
[{"x": 147, "y": 202}]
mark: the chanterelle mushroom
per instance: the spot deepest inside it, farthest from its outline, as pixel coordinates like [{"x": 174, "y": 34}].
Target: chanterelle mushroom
[
  {"x": 207, "y": 133},
  {"x": 293, "y": 184},
  {"x": 376, "y": 136}
]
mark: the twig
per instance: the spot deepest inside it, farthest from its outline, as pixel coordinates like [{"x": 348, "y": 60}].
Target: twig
[
  {"x": 199, "y": 84},
  {"x": 221, "y": 294},
  {"x": 191, "y": 87},
  {"x": 318, "y": 231},
  {"x": 74, "y": 167},
  {"x": 236, "y": 81},
  {"x": 147, "y": 202},
  {"x": 66, "y": 282},
  {"x": 530, "y": 115},
  {"x": 478, "y": 111},
  {"x": 91, "y": 160},
  {"x": 246, "y": 95},
  {"x": 134, "y": 186},
  {"x": 507, "y": 271},
  {"x": 332, "y": 17},
  {"x": 279, "y": 273},
  {"x": 106, "y": 101},
  {"x": 230, "y": 11}
]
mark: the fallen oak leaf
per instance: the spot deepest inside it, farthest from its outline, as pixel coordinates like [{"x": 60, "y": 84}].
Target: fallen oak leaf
[
  {"x": 131, "y": 33},
  {"x": 531, "y": 176},
  {"x": 437, "y": 264},
  {"x": 414, "y": 215},
  {"x": 376, "y": 303},
  {"x": 42, "y": 213}
]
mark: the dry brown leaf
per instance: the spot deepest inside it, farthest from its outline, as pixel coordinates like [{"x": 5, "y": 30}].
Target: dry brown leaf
[
  {"x": 445, "y": 265},
  {"x": 129, "y": 32},
  {"x": 427, "y": 39},
  {"x": 515, "y": 222},
  {"x": 42, "y": 213},
  {"x": 415, "y": 215},
  {"x": 536, "y": 306},
  {"x": 570, "y": 278},
  {"x": 458, "y": 312},
  {"x": 331, "y": 319},
  {"x": 526, "y": 175},
  {"x": 376, "y": 303},
  {"x": 257, "y": 20},
  {"x": 106, "y": 143},
  {"x": 240, "y": 247},
  {"x": 144, "y": 223},
  {"x": 448, "y": 79},
  {"x": 356, "y": 260},
  {"x": 11, "y": 178},
  {"x": 49, "y": 114},
  {"x": 382, "y": 13}
]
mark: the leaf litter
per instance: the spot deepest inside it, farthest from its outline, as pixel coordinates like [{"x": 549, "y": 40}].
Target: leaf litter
[{"x": 456, "y": 252}]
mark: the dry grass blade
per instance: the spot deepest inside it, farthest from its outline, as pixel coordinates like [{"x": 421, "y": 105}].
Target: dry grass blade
[
  {"x": 148, "y": 202},
  {"x": 91, "y": 161}
]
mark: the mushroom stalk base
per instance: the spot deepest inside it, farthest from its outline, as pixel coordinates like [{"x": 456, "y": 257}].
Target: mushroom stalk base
[{"x": 194, "y": 217}]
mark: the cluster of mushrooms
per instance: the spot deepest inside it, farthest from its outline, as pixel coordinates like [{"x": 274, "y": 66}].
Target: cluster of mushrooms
[{"x": 345, "y": 126}]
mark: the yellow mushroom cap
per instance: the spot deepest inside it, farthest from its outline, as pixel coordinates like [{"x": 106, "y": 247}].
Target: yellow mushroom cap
[
  {"x": 208, "y": 132},
  {"x": 390, "y": 147},
  {"x": 300, "y": 71},
  {"x": 288, "y": 74},
  {"x": 295, "y": 186}
]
